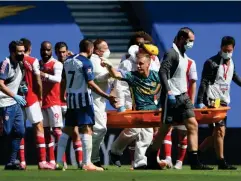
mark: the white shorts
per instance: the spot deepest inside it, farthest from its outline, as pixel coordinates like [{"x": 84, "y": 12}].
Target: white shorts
[
  {"x": 52, "y": 117},
  {"x": 180, "y": 127},
  {"x": 34, "y": 113}
]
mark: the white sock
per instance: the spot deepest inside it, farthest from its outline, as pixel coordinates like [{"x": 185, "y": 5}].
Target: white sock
[
  {"x": 63, "y": 140},
  {"x": 86, "y": 147},
  {"x": 168, "y": 158}
]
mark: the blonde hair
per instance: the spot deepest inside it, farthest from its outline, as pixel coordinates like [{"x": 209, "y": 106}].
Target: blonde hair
[{"x": 144, "y": 55}]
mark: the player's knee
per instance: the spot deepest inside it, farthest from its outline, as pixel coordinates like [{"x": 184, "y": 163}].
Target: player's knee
[
  {"x": 57, "y": 132},
  {"x": 75, "y": 135},
  {"x": 47, "y": 130},
  {"x": 103, "y": 131},
  {"x": 191, "y": 124},
  {"x": 86, "y": 129},
  {"x": 39, "y": 127},
  {"x": 219, "y": 131}
]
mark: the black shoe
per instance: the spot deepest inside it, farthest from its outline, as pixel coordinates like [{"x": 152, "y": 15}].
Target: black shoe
[
  {"x": 223, "y": 165},
  {"x": 98, "y": 164},
  {"x": 201, "y": 166},
  {"x": 115, "y": 159},
  {"x": 144, "y": 167},
  {"x": 13, "y": 166}
]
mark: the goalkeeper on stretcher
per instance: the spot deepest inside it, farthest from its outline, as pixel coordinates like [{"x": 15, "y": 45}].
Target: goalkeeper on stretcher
[{"x": 144, "y": 84}]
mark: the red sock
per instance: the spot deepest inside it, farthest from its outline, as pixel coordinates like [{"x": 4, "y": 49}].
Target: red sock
[
  {"x": 182, "y": 147},
  {"x": 21, "y": 151},
  {"x": 57, "y": 133},
  {"x": 167, "y": 144},
  {"x": 49, "y": 141},
  {"x": 40, "y": 143},
  {"x": 78, "y": 151}
]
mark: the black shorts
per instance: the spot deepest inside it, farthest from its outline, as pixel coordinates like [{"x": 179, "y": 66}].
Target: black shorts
[
  {"x": 80, "y": 117},
  {"x": 182, "y": 110},
  {"x": 220, "y": 123}
]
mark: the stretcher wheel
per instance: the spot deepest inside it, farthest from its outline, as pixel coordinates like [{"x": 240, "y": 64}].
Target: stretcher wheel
[{"x": 147, "y": 119}]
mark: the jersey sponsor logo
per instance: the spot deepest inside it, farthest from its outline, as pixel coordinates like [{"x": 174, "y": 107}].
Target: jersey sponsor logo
[
  {"x": 145, "y": 90},
  {"x": 3, "y": 67}
]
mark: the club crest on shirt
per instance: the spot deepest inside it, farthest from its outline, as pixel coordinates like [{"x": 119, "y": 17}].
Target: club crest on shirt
[{"x": 89, "y": 71}]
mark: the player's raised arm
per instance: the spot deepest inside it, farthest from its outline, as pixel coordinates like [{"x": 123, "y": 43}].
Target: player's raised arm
[{"x": 113, "y": 72}]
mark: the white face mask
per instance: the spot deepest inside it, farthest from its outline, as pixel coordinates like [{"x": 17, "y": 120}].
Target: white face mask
[
  {"x": 189, "y": 45},
  {"x": 106, "y": 54},
  {"x": 227, "y": 55}
]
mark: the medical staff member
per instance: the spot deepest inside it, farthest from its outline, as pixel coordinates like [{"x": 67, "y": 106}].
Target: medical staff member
[
  {"x": 217, "y": 75},
  {"x": 175, "y": 102},
  {"x": 11, "y": 115},
  {"x": 102, "y": 79}
]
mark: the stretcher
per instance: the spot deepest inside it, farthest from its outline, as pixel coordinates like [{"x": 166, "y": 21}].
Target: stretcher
[{"x": 147, "y": 119}]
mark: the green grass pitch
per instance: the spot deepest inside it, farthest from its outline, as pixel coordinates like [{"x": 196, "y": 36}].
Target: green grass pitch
[{"x": 119, "y": 174}]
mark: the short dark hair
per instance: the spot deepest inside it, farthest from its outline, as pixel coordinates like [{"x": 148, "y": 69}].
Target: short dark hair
[
  {"x": 140, "y": 34},
  {"x": 27, "y": 44},
  {"x": 228, "y": 40},
  {"x": 97, "y": 42},
  {"x": 44, "y": 42},
  {"x": 85, "y": 45},
  {"x": 13, "y": 45},
  {"x": 59, "y": 45},
  {"x": 183, "y": 32}
]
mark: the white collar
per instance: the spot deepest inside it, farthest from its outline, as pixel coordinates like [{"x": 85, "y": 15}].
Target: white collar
[{"x": 177, "y": 50}]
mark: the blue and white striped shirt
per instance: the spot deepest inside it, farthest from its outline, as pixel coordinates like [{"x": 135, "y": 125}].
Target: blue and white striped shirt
[{"x": 78, "y": 71}]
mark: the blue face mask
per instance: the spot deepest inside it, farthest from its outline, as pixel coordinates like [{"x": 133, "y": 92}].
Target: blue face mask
[{"x": 189, "y": 45}]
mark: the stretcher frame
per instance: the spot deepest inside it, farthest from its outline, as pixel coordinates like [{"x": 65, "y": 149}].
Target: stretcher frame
[{"x": 147, "y": 119}]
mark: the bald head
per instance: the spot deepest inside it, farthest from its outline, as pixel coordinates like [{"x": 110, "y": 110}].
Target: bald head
[{"x": 46, "y": 50}]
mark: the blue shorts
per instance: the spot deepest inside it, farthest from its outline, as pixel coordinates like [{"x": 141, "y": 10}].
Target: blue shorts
[
  {"x": 79, "y": 117},
  {"x": 12, "y": 119}
]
